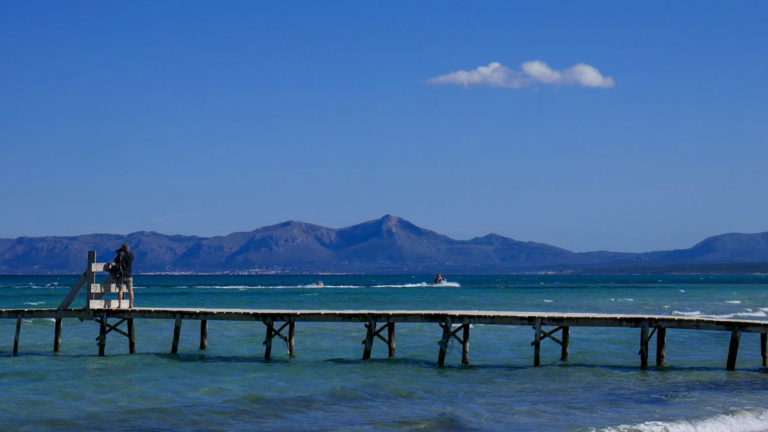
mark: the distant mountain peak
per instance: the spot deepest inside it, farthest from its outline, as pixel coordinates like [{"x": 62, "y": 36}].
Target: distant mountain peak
[
  {"x": 290, "y": 223},
  {"x": 389, "y": 244},
  {"x": 389, "y": 219}
]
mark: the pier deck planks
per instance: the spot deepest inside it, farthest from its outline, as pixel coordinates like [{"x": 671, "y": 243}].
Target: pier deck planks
[{"x": 406, "y": 316}]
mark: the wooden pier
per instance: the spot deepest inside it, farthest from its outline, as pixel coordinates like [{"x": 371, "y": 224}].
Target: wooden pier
[
  {"x": 378, "y": 324},
  {"x": 381, "y": 324}
]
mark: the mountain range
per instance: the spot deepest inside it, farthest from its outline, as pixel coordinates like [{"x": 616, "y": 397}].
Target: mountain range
[{"x": 386, "y": 245}]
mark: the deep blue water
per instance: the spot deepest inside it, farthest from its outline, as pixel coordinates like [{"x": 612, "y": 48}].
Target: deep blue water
[{"x": 327, "y": 387}]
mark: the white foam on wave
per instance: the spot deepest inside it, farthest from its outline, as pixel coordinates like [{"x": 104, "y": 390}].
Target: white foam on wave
[
  {"x": 760, "y": 314},
  {"x": 682, "y": 313},
  {"x": 34, "y": 303},
  {"x": 682, "y": 291},
  {"x": 410, "y": 285},
  {"x": 698, "y": 314},
  {"x": 420, "y": 284},
  {"x": 448, "y": 284},
  {"x": 733, "y": 301},
  {"x": 254, "y": 287},
  {"x": 547, "y": 301},
  {"x": 753, "y": 420}
]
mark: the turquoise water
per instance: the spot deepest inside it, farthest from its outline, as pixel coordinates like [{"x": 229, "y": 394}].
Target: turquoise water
[{"x": 327, "y": 387}]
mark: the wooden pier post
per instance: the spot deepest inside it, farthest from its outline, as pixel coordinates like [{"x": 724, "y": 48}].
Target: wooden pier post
[
  {"x": 16, "y": 338},
  {"x": 465, "y": 345},
  {"x": 537, "y": 343},
  {"x": 131, "y": 337},
  {"x": 763, "y": 353},
  {"x": 57, "y": 335},
  {"x": 268, "y": 341},
  {"x": 370, "y": 331},
  {"x": 176, "y": 335},
  {"x": 102, "y": 334},
  {"x": 733, "y": 349},
  {"x": 661, "y": 346},
  {"x": 291, "y": 333},
  {"x": 203, "y": 334},
  {"x": 644, "y": 345},
  {"x": 565, "y": 343},
  {"x": 444, "y": 341},
  {"x": 391, "y": 339}
]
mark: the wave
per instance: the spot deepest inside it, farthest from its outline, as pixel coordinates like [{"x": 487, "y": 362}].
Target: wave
[
  {"x": 752, "y": 420},
  {"x": 698, "y": 314},
  {"x": 420, "y": 284},
  {"x": 681, "y": 313},
  {"x": 246, "y": 287},
  {"x": 759, "y": 314},
  {"x": 733, "y": 301},
  {"x": 34, "y": 303}
]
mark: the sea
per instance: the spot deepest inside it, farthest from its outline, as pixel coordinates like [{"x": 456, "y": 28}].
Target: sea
[{"x": 327, "y": 387}]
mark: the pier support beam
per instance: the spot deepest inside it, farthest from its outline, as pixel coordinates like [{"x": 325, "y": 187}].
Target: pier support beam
[
  {"x": 541, "y": 334},
  {"x": 763, "y": 351},
  {"x": 565, "y": 343},
  {"x": 537, "y": 343},
  {"x": 444, "y": 341},
  {"x": 57, "y": 335},
  {"x": 291, "y": 338},
  {"x": 272, "y": 333},
  {"x": 661, "y": 346},
  {"x": 131, "y": 337},
  {"x": 102, "y": 334},
  {"x": 733, "y": 349},
  {"x": 16, "y": 338},
  {"x": 268, "y": 340},
  {"x": 644, "y": 336},
  {"x": 450, "y": 333},
  {"x": 370, "y": 331},
  {"x": 465, "y": 345},
  {"x": 203, "y": 334},
  {"x": 176, "y": 335}
]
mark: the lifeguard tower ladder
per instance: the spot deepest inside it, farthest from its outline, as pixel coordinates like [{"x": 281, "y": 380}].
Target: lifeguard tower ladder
[{"x": 98, "y": 305}]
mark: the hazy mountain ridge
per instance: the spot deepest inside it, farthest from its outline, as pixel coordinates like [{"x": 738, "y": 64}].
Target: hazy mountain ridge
[{"x": 386, "y": 245}]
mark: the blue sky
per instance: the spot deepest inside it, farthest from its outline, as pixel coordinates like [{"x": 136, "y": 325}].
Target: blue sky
[{"x": 213, "y": 117}]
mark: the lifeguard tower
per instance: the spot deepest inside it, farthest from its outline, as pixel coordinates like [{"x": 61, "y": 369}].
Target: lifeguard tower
[{"x": 97, "y": 304}]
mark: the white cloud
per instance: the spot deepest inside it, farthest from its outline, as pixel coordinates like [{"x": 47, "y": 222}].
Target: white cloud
[
  {"x": 532, "y": 72},
  {"x": 539, "y": 71}
]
